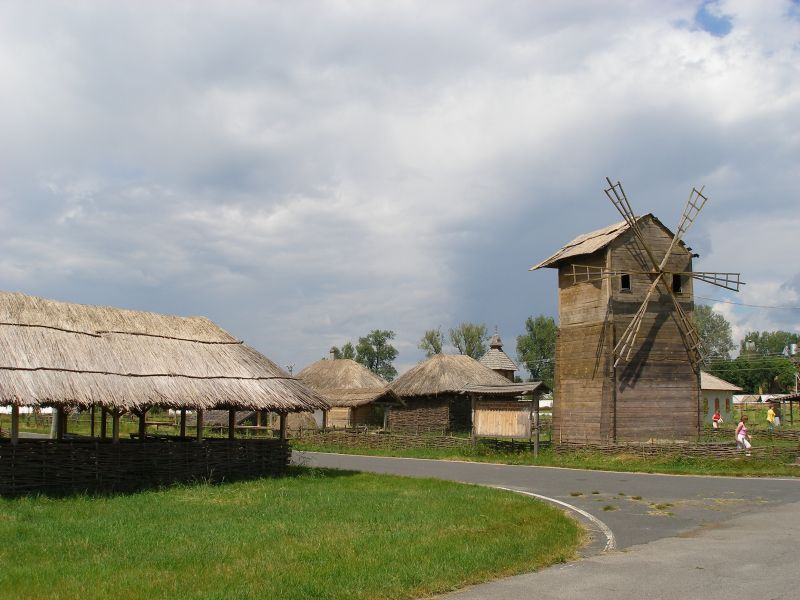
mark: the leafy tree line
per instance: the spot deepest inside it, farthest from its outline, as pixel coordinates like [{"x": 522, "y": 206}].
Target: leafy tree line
[
  {"x": 760, "y": 364},
  {"x": 535, "y": 348},
  {"x": 374, "y": 351}
]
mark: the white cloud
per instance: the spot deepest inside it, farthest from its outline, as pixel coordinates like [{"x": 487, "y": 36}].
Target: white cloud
[{"x": 306, "y": 172}]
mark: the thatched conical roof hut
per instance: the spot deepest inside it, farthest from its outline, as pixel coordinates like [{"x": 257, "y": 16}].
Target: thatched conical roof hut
[
  {"x": 350, "y": 388},
  {"x": 445, "y": 374},
  {"x": 436, "y": 393},
  {"x": 64, "y": 354}
]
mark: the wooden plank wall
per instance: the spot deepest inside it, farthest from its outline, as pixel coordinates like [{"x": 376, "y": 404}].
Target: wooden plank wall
[
  {"x": 339, "y": 417},
  {"x": 581, "y": 410},
  {"x": 502, "y": 419},
  {"x": 657, "y": 391}
]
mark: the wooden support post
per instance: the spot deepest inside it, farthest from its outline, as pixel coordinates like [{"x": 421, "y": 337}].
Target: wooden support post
[
  {"x": 61, "y": 425},
  {"x": 258, "y": 418},
  {"x": 183, "y": 422},
  {"x": 15, "y": 424},
  {"x": 115, "y": 414},
  {"x": 142, "y": 424},
  {"x": 231, "y": 424},
  {"x": 535, "y": 424},
  {"x": 91, "y": 425},
  {"x": 472, "y": 419},
  {"x": 325, "y": 421},
  {"x": 199, "y": 433},
  {"x": 283, "y": 426},
  {"x": 103, "y": 423}
]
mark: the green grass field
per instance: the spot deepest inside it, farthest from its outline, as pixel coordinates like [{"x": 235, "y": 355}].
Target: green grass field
[{"x": 313, "y": 534}]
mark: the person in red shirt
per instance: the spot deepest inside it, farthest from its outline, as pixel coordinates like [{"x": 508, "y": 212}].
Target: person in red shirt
[{"x": 716, "y": 419}]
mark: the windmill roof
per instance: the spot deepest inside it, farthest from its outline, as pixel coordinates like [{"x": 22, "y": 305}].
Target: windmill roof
[
  {"x": 709, "y": 382},
  {"x": 591, "y": 242}
]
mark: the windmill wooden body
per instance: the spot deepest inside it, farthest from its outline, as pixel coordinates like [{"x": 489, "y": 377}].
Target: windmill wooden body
[{"x": 628, "y": 356}]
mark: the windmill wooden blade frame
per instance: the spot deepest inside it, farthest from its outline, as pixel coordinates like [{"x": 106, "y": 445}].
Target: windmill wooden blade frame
[
  {"x": 589, "y": 273},
  {"x": 729, "y": 281},
  {"x": 618, "y": 198},
  {"x": 626, "y": 342}
]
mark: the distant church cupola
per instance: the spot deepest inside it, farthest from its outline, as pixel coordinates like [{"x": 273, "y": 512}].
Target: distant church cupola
[{"x": 497, "y": 360}]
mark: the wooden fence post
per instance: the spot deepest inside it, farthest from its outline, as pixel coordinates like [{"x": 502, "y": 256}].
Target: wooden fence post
[
  {"x": 91, "y": 426},
  {"x": 536, "y": 424},
  {"x": 231, "y": 423},
  {"x": 183, "y": 422},
  {"x": 472, "y": 418}
]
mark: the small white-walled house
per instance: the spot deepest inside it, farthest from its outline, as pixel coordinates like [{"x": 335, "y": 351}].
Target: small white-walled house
[{"x": 716, "y": 393}]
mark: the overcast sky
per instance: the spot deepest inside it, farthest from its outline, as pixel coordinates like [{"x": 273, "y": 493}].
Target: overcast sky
[{"x": 303, "y": 172}]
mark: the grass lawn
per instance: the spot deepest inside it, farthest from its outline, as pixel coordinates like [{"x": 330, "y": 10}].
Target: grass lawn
[
  {"x": 753, "y": 466},
  {"x": 314, "y": 534}
]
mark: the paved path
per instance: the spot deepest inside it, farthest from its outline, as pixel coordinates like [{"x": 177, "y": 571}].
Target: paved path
[{"x": 687, "y": 537}]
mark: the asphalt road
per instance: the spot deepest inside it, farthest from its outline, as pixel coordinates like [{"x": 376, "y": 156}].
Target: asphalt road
[{"x": 676, "y": 536}]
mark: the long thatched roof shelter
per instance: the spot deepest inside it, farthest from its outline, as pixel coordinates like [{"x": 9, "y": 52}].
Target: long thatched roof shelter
[
  {"x": 345, "y": 383},
  {"x": 63, "y": 354}
]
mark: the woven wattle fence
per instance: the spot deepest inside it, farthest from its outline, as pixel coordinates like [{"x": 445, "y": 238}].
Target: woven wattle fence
[
  {"x": 63, "y": 467},
  {"x": 688, "y": 450}
]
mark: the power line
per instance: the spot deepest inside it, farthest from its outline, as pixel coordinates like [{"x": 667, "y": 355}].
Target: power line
[{"x": 750, "y": 305}]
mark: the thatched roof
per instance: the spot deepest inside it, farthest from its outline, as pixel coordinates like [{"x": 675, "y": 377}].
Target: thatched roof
[
  {"x": 75, "y": 354},
  {"x": 447, "y": 374},
  {"x": 591, "y": 242},
  {"x": 709, "y": 382},
  {"x": 346, "y": 383}
]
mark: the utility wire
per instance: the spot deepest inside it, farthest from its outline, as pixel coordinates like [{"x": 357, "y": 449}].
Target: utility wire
[{"x": 750, "y": 305}]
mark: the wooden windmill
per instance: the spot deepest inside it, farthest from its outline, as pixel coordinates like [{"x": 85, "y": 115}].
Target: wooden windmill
[{"x": 628, "y": 355}]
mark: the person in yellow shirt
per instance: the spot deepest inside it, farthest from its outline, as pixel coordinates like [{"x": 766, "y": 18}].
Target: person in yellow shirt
[{"x": 771, "y": 418}]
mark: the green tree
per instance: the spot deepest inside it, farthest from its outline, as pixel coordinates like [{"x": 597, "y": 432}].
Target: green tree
[
  {"x": 714, "y": 331},
  {"x": 753, "y": 373},
  {"x": 431, "y": 342},
  {"x": 346, "y": 351},
  {"x": 470, "y": 339},
  {"x": 376, "y": 353},
  {"x": 536, "y": 349},
  {"x": 767, "y": 342}
]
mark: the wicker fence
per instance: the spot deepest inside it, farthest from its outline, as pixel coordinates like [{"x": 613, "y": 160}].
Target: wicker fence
[
  {"x": 57, "y": 468},
  {"x": 383, "y": 441},
  {"x": 689, "y": 450},
  {"x": 364, "y": 439}
]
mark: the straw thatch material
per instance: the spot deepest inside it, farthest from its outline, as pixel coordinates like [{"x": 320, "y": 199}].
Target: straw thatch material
[
  {"x": 445, "y": 374},
  {"x": 57, "y": 353},
  {"x": 345, "y": 383}
]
